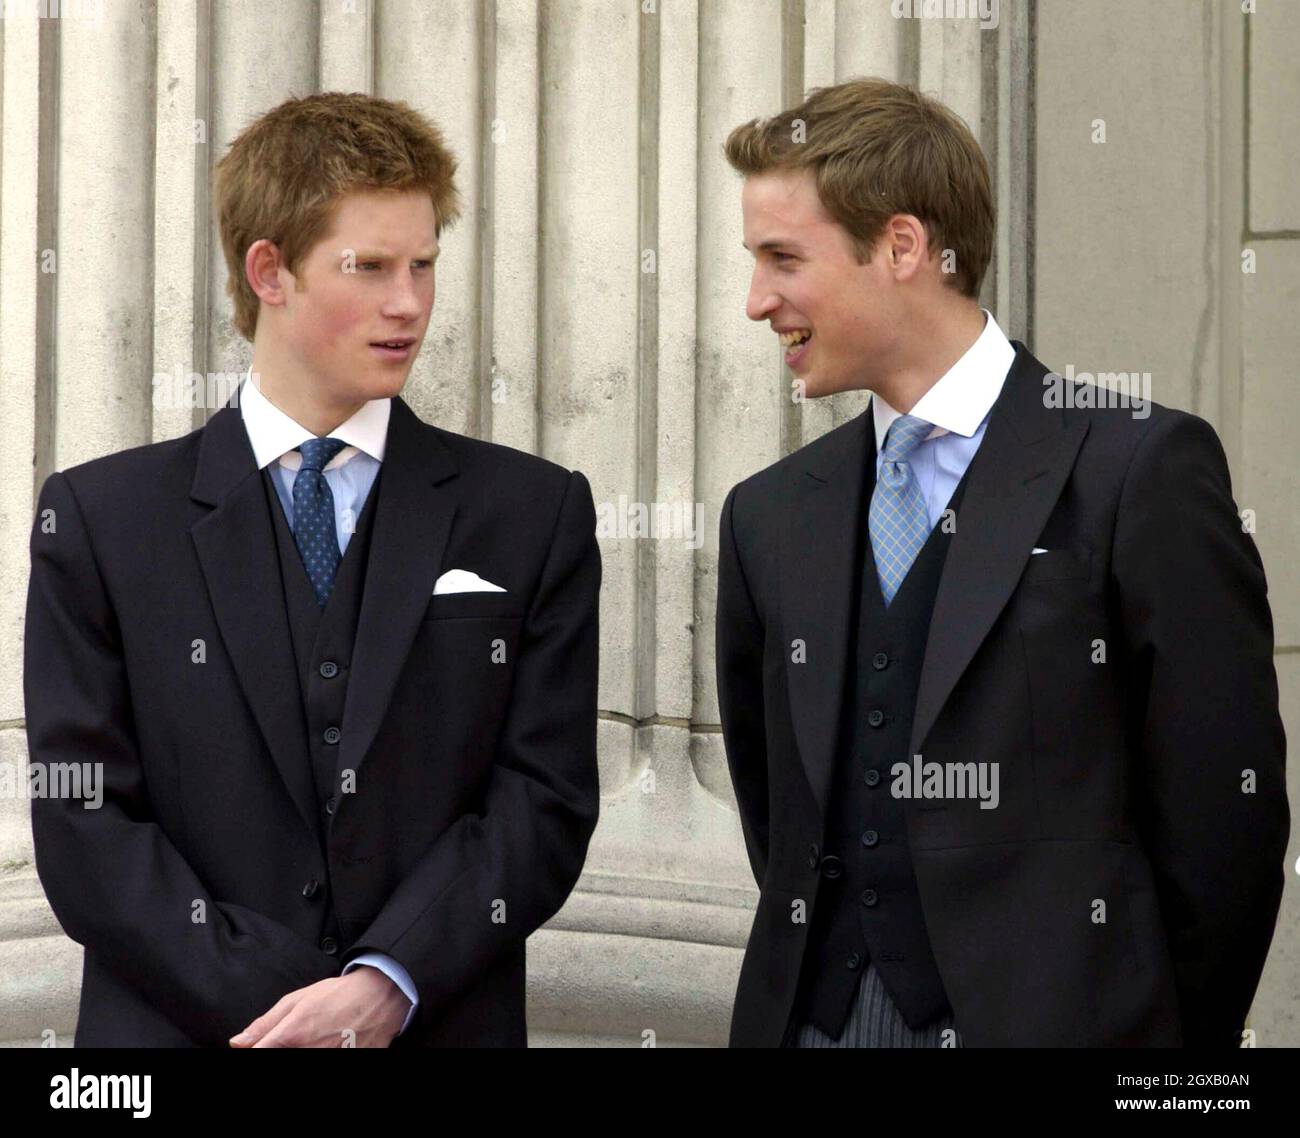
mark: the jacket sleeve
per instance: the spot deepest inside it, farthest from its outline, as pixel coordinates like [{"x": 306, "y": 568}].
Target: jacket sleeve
[
  {"x": 739, "y": 651},
  {"x": 111, "y": 874},
  {"x": 1199, "y": 636},
  {"x": 491, "y": 879}
]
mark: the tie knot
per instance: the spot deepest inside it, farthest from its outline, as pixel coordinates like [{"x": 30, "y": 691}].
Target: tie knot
[
  {"x": 317, "y": 453},
  {"x": 904, "y": 434}
]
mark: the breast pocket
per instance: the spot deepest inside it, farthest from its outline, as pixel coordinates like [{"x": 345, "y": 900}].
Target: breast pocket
[
  {"x": 1064, "y": 564},
  {"x": 464, "y": 606}
]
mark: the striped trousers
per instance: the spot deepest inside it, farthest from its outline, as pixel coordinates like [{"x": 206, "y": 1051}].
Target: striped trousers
[{"x": 875, "y": 1021}]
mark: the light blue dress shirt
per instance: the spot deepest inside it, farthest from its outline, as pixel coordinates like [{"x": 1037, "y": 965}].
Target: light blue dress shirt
[
  {"x": 350, "y": 474},
  {"x": 958, "y": 404}
]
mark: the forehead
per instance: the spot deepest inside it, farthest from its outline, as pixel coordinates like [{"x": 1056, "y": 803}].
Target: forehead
[
  {"x": 782, "y": 203},
  {"x": 386, "y": 218}
]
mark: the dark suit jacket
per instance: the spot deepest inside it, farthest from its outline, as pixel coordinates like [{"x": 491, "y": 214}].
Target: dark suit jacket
[
  {"x": 470, "y": 724},
  {"x": 1120, "y": 780}
]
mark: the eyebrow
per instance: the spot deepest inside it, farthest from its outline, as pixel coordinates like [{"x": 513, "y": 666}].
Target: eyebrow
[
  {"x": 767, "y": 246},
  {"x": 373, "y": 255}
]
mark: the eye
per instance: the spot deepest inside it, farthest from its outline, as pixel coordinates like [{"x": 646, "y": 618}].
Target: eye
[
  {"x": 426, "y": 264},
  {"x": 368, "y": 264}
]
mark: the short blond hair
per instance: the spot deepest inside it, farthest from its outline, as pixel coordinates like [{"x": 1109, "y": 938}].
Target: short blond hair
[
  {"x": 878, "y": 149},
  {"x": 283, "y": 177}
]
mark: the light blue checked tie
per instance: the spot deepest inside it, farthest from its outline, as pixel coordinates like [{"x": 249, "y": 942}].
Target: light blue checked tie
[
  {"x": 314, "y": 531},
  {"x": 898, "y": 522}
]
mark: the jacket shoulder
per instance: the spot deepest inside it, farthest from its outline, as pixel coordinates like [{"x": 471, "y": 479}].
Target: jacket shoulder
[
  {"x": 140, "y": 470},
  {"x": 821, "y": 453}
]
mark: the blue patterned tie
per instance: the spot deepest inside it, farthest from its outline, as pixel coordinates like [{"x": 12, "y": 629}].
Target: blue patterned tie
[
  {"x": 898, "y": 522},
  {"x": 313, "y": 516}
]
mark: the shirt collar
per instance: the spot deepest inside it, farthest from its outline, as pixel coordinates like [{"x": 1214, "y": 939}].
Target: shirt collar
[
  {"x": 962, "y": 396},
  {"x": 272, "y": 433}
]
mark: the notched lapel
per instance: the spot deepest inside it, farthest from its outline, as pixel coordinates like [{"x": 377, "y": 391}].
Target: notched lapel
[
  {"x": 236, "y": 549},
  {"x": 416, "y": 501},
  {"x": 1015, "y": 479}
]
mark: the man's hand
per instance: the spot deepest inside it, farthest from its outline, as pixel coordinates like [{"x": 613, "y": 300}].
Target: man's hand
[{"x": 362, "y": 1009}]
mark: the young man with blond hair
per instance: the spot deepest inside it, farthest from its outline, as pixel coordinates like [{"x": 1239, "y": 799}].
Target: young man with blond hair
[
  {"x": 994, "y": 663},
  {"x": 336, "y": 665}
]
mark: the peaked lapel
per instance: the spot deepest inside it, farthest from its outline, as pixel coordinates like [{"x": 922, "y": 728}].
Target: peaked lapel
[
  {"x": 1014, "y": 481},
  {"x": 819, "y": 579},
  {"x": 237, "y": 552}
]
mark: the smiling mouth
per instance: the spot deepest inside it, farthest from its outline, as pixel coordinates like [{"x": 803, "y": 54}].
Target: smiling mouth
[
  {"x": 402, "y": 342},
  {"x": 795, "y": 338}
]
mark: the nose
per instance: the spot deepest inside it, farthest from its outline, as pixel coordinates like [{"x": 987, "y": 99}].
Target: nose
[
  {"x": 405, "y": 300},
  {"x": 761, "y": 301}
]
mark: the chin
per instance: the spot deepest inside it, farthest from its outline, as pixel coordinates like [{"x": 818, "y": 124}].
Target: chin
[{"x": 815, "y": 387}]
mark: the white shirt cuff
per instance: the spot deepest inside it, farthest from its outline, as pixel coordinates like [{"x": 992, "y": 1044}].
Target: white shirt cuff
[{"x": 395, "y": 972}]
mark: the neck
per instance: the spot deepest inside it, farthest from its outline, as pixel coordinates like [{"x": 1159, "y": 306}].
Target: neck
[
  {"x": 934, "y": 346},
  {"x": 298, "y": 395}
]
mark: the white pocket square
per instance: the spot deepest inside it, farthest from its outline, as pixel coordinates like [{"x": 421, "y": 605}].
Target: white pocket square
[
  {"x": 1037, "y": 550},
  {"x": 463, "y": 581}
]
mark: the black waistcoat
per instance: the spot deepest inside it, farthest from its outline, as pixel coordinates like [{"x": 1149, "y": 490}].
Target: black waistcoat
[
  {"x": 867, "y": 906},
  {"x": 322, "y": 643}
]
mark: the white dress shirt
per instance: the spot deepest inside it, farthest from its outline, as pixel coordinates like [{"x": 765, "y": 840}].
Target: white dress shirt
[
  {"x": 958, "y": 405},
  {"x": 350, "y": 474}
]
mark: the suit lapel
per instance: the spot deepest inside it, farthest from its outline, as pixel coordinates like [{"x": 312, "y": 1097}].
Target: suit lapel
[
  {"x": 237, "y": 553},
  {"x": 416, "y": 501},
  {"x": 1014, "y": 481},
  {"x": 818, "y": 582}
]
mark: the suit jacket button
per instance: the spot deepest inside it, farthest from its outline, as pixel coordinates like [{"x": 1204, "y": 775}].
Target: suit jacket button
[
  {"x": 329, "y": 805},
  {"x": 870, "y": 838},
  {"x": 869, "y": 897},
  {"x": 310, "y": 889},
  {"x": 872, "y": 777},
  {"x": 814, "y": 856},
  {"x": 854, "y": 962},
  {"x": 832, "y": 866},
  {"x": 876, "y": 717},
  {"x": 879, "y": 661},
  {"x": 329, "y": 946},
  {"x": 332, "y": 735},
  {"x": 329, "y": 669}
]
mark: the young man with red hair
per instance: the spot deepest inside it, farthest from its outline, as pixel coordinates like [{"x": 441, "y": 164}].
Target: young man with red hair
[{"x": 337, "y": 665}]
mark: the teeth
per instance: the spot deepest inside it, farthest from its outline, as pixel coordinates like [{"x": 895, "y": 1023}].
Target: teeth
[{"x": 789, "y": 339}]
